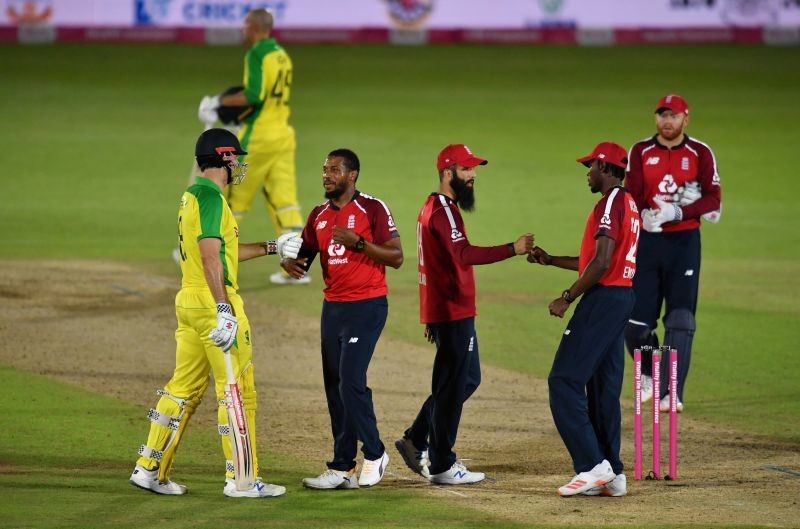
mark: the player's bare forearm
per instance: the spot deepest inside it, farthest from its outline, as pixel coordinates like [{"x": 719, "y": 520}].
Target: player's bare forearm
[
  {"x": 212, "y": 268},
  {"x": 539, "y": 255},
  {"x": 251, "y": 250},
  {"x": 234, "y": 100},
  {"x": 389, "y": 253},
  {"x": 596, "y": 268}
]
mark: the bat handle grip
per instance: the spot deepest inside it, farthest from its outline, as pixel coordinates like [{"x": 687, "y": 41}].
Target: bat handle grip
[{"x": 231, "y": 379}]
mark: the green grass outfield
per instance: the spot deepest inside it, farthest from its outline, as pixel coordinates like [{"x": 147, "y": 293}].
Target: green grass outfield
[{"x": 98, "y": 140}]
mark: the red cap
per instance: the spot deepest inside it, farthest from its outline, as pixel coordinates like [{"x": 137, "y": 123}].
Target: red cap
[
  {"x": 457, "y": 154},
  {"x": 673, "y": 102},
  {"x": 609, "y": 152}
]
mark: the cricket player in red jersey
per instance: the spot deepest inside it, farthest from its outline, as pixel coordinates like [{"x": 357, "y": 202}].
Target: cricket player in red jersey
[
  {"x": 447, "y": 308},
  {"x": 585, "y": 381},
  {"x": 356, "y": 238},
  {"x": 675, "y": 183}
]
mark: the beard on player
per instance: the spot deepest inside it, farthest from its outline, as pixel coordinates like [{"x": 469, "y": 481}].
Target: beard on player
[
  {"x": 337, "y": 191},
  {"x": 465, "y": 193}
]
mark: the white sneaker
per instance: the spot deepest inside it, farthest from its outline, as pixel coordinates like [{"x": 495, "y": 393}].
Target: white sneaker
[
  {"x": 416, "y": 460},
  {"x": 148, "y": 480},
  {"x": 281, "y": 278},
  {"x": 372, "y": 470},
  {"x": 457, "y": 475},
  {"x": 259, "y": 490},
  {"x": 615, "y": 488},
  {"x": 647, "y": 387},
  {"x": 333, "y": 479},
  {"x": 664, "y": 405},
  {"x": 596, "y": 477}
]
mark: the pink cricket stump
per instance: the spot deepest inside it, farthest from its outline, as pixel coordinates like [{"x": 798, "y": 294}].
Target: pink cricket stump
[
  {"x": 637, "y": 414},
  {"x": 656, "y": 414},
  {"x": 673, "y": 414}
]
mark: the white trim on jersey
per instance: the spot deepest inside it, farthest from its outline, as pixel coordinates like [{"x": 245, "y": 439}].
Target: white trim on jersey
[
  {"x": 715, "y": 176},
  {"x": 381, "y": 202},
  {"x": 610, "y": 201},
  {"x": 323, "y": 210},
  {"x": 358, "y": 204},
  {"x": 447, "y": 211}
]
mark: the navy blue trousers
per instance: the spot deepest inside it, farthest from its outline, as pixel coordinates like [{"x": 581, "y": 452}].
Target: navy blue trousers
[
  {"x": 585, "y": 381},
  {"x": 349, "y": 332},
  {"x": 456, "y": 376},
  {"x": 668, "y": 274}
]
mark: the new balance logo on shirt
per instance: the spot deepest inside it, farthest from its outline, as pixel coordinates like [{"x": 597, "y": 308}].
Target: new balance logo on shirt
[{"x": 354, "y": 339}]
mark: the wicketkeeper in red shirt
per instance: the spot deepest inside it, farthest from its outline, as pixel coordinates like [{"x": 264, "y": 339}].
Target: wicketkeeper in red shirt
[
  {"x": 447, "y": 308},
  {"x": 675, "y": 183}
]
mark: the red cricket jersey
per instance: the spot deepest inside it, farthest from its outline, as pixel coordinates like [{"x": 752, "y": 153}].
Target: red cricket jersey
[
  {"x": 615, "y": 216},
  {"x": 350, "y": 275},
  {"x": 656, "y": 171},
  {"x": 445, "y": 259}
]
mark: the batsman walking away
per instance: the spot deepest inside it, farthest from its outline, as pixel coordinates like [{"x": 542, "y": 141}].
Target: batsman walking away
[
  {"x": 213, "y": 334},
  {"x": 262, "y": 108}
]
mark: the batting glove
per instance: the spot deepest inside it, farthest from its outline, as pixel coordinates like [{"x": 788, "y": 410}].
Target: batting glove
[
  {"x": 667, "y": 211},
  {"x": 691, "y": 193},
  {"x": 224, "y": 334},
  {"x": 289, "y": 245},
  {"x": 207, "y": 112},
  {"x": 650, "y": 222}
]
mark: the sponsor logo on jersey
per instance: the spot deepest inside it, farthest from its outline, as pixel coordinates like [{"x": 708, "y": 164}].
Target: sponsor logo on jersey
[
  {"x": 667, "y": 184},
  {"x": 322, "y": 224},
  {"x": 456, "y": 235},
  {"x": 391, "y": 223},
  {"x": 605, "y": 221},
  {"x": 351, "y": 222},
  {"x": 336, "y": 249},
  {"x": 653, "y": 160}
]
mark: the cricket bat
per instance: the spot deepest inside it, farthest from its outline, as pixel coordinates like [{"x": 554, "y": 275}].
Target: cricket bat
[{"x": 243, "y": 464}]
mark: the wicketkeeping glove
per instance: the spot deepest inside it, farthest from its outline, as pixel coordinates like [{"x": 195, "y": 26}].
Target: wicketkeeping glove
[
  {"x": 289, "y": 245},
  {"x": 650, "y": 222},
  {"x": 224, "y": 334},
  {"x": 207, "y": 111},
  {"x": 691, "y": 193},
  {"x": 667, "y": 211},
  {"x": 713, "y": 216}
]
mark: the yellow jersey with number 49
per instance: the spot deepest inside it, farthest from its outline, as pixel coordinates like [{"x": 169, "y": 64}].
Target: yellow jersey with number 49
[
  {"x": 267, "y": 86},
  {"x": 203, "y": 212}
]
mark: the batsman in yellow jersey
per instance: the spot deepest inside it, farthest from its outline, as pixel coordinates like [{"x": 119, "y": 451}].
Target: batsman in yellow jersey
[
  {"x": 211, "y": 320},
  {"x": 266, "y": 133}
]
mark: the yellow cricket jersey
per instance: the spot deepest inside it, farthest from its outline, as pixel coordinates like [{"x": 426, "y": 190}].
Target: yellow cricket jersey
[
  {"x": 204, "y": 213},
  {"x": 267, "y": 86}
]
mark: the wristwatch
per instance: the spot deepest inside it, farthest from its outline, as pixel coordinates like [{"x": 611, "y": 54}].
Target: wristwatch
[
  {"x": 567, "y": 297},
  {"x": 359, "y": 247}
]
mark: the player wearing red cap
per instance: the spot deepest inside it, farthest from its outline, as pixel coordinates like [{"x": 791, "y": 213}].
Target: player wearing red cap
[
  {"x": 675, "y": 183},
  {"x": 585, "y": 381},
  {"x": 447, "y": 308}
]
